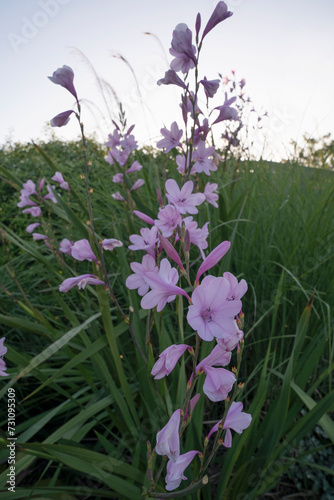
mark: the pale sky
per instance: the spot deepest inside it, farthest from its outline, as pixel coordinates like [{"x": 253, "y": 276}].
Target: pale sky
[{"x": 284, "y": 49}]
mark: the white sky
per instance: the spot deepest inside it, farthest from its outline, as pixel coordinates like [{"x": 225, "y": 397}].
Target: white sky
[{"x": 283, "y": 48}]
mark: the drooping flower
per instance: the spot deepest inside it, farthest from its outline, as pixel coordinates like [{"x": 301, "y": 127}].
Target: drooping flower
[
  {"x": 167, "y": 360},
  {"x": 225, "y": 111},
  {"x": 62, "y": 119},
  {"x": 172, "y": 78},
  {"x": 34, "y": 211},
  {"x": 183, "y": 199},
  {"x": 135, "y": 167},
  {"x": 168, "y": 441},
  {"x": 203, "y": 162},
  {"x": 163, "y": 285},
  {"x": 213, "y": 258},
  {"x": 176, "y": 469},
  {"x": 139, "y": 183},
  {"x": 236, "y": 419},
  {"x": 81, "y": 250},
  {"x": 219, "y": 14},
  {"x": 218, "y": 383},
  {"x": 31, "y": 228},
  {"x": 210, "y": 86},
  {"x": 80, "y": 281},
  {"x": 64, "y": 76},
  {"x": 182, "y": 49},
  {"x": 65, "y": 246},
  {"x": 210, "y": 195},
  {"x": 211, "y": 314},
  {"x": 168, "y": 219},
  {"x": 147, "y": 241},
  {"x": 110, "y": 244},
  {"x": 39, "y": 237},
  {"x": 171, "y": 138},
  {"x": 117, "y": 196},
  {"x": 137, "y": 280}
]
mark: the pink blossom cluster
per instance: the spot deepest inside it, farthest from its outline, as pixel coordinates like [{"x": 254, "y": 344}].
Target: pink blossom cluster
[
  {"x": 121, "y": 144},
  {"x": 30, "y": 189}
]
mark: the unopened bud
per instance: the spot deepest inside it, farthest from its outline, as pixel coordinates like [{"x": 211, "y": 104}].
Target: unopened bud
[{"x": 187, "y": 241}]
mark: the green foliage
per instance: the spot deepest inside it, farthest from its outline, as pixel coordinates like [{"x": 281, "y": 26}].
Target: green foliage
[{"x": 88, "y": 404}]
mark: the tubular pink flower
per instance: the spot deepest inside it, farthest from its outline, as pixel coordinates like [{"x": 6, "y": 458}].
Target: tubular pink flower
[
  {"x": 170, "y": 251},
  {"x": 80, "y": 281},
  {"x": 137, "y": 280},
  {"x": 171, "y": 138},
  {"x": 218, "y": 383},
  {"x": 191, "y": 406},
  {"x": 183, "y": 199},
  {"x": 117, "y": 196},
  {"x": 144, "y": 217},
  {"x": 111, "y": 243},
  {"x": 211, "y": 314},
  {"x": 168, "y": 219},
  {"x": 163, "y": 285},
  {"x": 236, "y": 419},
  {"x": 213, "y": 258},
  {"x": 231, "y": 342},
  {"x": 219, "y": 14},
  {"x": 147, "y": 241},
  {"x": 64, "y": 76},
  {"x": 225, "y": 111},
  {"x": 38, "y": 236},
  {"x": 210, "y": 86},
  {"x": 168, "y": 442},
  {"x": 25, "y": 201},
  {"x": 81, "y": 250},
  {"x": 210, "y": 196},
  {"x": 3, "y": 348},
  {"x": 65, "y": 246},
  {"x": 197, "y": 235},
  {"x": 172, "y": 78},
  {"x": 167, "y": 360},
  {"x": 29, "y": 188},
  {"x": 175, "y": 470},
  {"x": 135, "y": 167},
  {"x": 50, "y": 195},
  {"x": 118, "y": 178},
  {"x": 34, "y": 211},
  {"x": 219, "y": 356},
  {"x": 62, "y": 119},
  {"x": 139, "y": 183},
  {"x": 182, "y": 49},
  {"x": 31, "y": 228}
]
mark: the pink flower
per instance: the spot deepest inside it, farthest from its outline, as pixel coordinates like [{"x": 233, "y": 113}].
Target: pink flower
[
  {"x": 167, "y": 360},
  {"x": 218, "y": 383},
  {"x": 210, "y": 195},
  {"x": 137, "y": 280},
  {"x": 117, "y": 196},
  {"x": 237, "y": 290},
  {"x": 3, "y": 350},
  {"x": 25, "y": 201},
  {"x": 135, "y": 167},
  {"x": 219, "y": 356},
  {"x": 38, "y": 236},
  {"x": 197, "y": 235},
  {"x": 168, "y": 219},
  {"x": 182, "y": 164},
  {"x": 211, "y": 314},
  {"x": 65, "y": 246},
  {"x": 81, "y": 250},
  {"x": 219, "y": 14},
  {"x": 170, "y": 251},
  {"x": 51, "y": 195},
  {"x": 118, "y": 178},
  {"x": 80, "y": 282},
  {"x": 171, "y": 138},
  {"x": 144, "y": 217},
  {"x": 225, "y": 111},
  {"x": 182, "y": 49},
  {"x": 147, "y": 240},
  {"x": 58, "y": 177},
  {"x": 163, "y": 286},
  {"x": 29, "y": 188},
  {"x": 139, "y": 183},
  {"x": 168, "y": 442},
  {"x": 111, "y": 243},
  {"x": 191, "y": 406},
  {"x": 34, "y": 211},
  {"x": 203, "y": 162},
  {"x": 171, "y": 78},
  {"x": 210, "y": 87},
  {"x": 175, "y": 469},
  {"x": 64, "y": 76},
  {"x": 31, "y": 228},
  {"x": 213, "y": 258},
  {"x": 231, "y": 342},
  {"x": 183, "y": 199},
  {"x": 236, "y": 420},
  {"x": 62, "y": 119}
]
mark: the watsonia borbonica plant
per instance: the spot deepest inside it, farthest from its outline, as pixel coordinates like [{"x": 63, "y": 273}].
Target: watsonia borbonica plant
[{"x": 214, "y": 307}]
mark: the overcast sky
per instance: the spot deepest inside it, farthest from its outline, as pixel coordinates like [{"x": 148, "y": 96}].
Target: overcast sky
[{"x": 284, "y": 49}]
